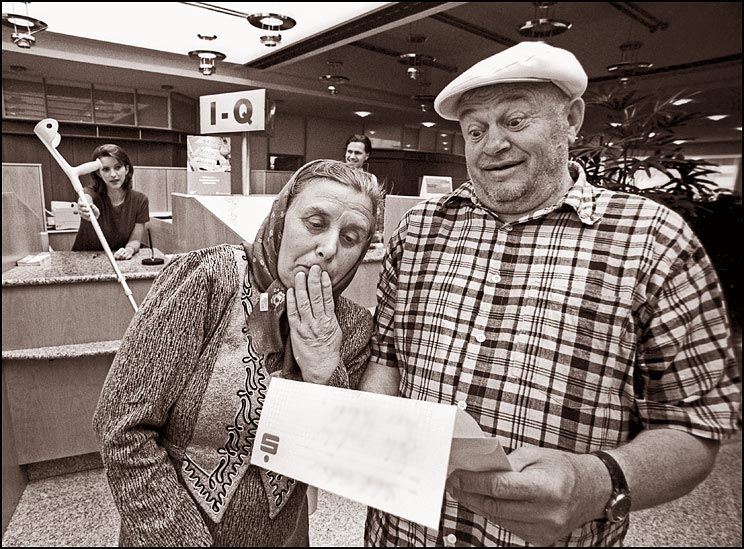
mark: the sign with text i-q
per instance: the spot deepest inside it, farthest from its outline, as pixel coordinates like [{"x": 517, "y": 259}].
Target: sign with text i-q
[{"x": 243, "y": 111}]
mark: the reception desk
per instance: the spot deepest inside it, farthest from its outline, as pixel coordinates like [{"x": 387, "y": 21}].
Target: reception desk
[{"x": 62, "y": 324}]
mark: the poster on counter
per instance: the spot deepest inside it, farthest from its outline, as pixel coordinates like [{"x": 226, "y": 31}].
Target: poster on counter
[{"x": 208, "y": 159}]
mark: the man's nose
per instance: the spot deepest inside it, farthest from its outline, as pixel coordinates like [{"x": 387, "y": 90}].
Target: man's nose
[{"x": 496, "y": 142}]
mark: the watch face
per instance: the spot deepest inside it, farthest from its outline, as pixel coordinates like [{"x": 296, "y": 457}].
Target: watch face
[{"x": 619, "y": 508}]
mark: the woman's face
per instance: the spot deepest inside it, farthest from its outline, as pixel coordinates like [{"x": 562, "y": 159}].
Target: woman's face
[
  {"x": 327, "y": 225},
  {"x": 114, "y": 172}
]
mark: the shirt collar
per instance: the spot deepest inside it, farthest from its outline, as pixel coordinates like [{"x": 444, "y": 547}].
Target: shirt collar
[{"x": 581, "y": 197}]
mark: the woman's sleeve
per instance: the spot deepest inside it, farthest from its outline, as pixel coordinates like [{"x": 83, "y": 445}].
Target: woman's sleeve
[
  {"x": 356, "y": 326},
  {"x": 158, "y": 355},
  {"x": 143, "y": 210}
]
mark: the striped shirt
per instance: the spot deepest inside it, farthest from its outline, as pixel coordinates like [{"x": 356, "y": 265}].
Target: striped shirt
[{"x": 573, "y": 328}]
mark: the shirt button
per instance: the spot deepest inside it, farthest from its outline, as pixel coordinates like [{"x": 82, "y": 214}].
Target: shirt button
[
  {"x": 451, "y": 539},
  {"x": 462, "y": 405},
  {"x": 480, "y": 337},
  {"x": 496, "y": 277},
  {"x": 507, "y": 228}
]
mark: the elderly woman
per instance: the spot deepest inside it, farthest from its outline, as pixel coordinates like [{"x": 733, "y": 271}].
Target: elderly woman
[{"x": 178, "y": 413}]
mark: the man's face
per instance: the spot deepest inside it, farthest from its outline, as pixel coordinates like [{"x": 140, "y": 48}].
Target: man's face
[
  {"x": 516, "y": 145},
  {"x": 355, "y": 154}
]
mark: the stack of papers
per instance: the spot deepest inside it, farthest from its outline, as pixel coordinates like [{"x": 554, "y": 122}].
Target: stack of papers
[{"x": 41, "y": 259}]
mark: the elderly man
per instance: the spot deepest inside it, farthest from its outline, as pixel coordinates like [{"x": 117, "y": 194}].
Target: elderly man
[{"x": 583, "y": 328}]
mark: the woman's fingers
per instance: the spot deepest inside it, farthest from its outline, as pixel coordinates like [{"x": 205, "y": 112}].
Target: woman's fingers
[
  {"x": 315, "y": 291},
  {"x": 302, "y": 298},
  {"x": 327, "y": 287}
]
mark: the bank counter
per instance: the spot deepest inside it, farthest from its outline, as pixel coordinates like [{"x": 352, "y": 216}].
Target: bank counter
[{"x": 62, "y": 325}]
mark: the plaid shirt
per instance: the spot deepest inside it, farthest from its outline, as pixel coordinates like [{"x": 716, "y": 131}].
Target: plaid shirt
[{"x": 572, "y": 328}]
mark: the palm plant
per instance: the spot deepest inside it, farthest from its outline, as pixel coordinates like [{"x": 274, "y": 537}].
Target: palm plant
[{"x": 637, "y": 135}]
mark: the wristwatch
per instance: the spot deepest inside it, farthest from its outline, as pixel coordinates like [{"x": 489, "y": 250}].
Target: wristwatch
[{"x": 618, "y": 508}]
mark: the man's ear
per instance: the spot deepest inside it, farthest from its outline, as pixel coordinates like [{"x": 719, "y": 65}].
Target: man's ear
[{"x": 575, "y": 118}]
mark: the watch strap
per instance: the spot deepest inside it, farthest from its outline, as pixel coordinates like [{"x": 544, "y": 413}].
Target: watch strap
[{"x": 618, "y": 506}]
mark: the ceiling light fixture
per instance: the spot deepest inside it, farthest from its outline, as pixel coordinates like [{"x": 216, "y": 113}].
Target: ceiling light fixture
[
  {"x": 24, "y": 27},
  {"x": 543, "y": 25},
  {"x": 333, "y": 80},
  {"x": 429, "y": 124},
  {"x": 207, "y": 60},
  {"x": 271, "y": 22},
  {"x": 717, "y": 117},
  {"x": 629, "y": 64},
  {"x": 680, "y": 102},
  {"x": 415, "y": 60},
  {"x": 362, "y": 114}
]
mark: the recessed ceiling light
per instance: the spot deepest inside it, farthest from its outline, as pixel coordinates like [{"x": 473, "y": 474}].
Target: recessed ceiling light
[
  {"x": 363, "y": 114},
  {"x": 372, "y": 132},
  {"x": 679, "y": 141},
  {"x": 429, "y": 124},
  {"x": 716, "y": 117},
  {"x": 679, "y": 102}
]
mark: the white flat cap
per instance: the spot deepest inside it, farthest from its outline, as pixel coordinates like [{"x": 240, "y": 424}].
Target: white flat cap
[{"x": 525, "y": 62}]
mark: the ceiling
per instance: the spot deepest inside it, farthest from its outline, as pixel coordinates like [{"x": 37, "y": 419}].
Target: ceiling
[{"x": 695, "y": 47}]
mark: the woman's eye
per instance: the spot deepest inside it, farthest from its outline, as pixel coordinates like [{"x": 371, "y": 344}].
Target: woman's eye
[{"x": 350, "y": 240}]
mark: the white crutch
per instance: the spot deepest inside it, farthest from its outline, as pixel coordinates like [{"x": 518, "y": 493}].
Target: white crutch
[{"x": 48, "y": 131}]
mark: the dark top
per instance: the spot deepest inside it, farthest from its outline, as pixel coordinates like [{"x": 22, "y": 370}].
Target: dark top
[{"x": 117, "y": 222}]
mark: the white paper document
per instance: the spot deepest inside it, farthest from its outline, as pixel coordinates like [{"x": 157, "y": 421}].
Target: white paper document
[
  {"x": 386, "y": 452},
  {"x": 472, "y": 450}
]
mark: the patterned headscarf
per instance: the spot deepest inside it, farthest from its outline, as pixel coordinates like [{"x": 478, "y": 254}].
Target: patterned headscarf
[{"x": 270, "y": 329}]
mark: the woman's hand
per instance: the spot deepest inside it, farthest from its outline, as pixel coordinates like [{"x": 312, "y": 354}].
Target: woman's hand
[
  {"x": 84, "y": 209},
  {"x": 124, "y": 253},
  {"x": 315, "y": 332}
]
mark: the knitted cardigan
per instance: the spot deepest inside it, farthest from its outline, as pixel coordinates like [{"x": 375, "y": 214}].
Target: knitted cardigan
[{"x": 151, "y": 398}]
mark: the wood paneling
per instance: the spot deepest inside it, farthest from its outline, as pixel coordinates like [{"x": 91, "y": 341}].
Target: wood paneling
[
  {"x": 25, "y": 181},
  {"x": 176, "y": 183},
  {"x": 195, "y": 227},
  {"x": 20, "y": 232},
  {"x": 288, "y": 136},
  {"x": 152, "y": 182},
  {"x": 14, "y": 478},
  {"x": 326, "y": 138},
  {"x": 63, "y": 314},
  {"x": 51, "y": 405}
]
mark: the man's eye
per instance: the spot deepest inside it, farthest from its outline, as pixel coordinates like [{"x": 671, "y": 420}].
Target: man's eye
[
  {"x": 515, "y": 123},
  {"x": 475, "y": 134}
]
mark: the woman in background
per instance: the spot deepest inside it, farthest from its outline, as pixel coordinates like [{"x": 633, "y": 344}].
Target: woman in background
[
  {"x": 121, "y": 211},
  {"x": 178, "y": 413}
]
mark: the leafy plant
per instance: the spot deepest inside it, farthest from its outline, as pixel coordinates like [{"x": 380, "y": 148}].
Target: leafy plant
[{"x": 637, "y": 135}]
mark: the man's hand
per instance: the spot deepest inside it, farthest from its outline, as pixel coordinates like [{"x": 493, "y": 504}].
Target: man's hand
[
  {"x": 549, "y": 493},
  {"x": 84, "y": 208},
  {"x": 314, "y": 329}
]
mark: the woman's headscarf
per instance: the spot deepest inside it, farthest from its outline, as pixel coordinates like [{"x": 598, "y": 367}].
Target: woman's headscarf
[{"x": 270, "y": 329}]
